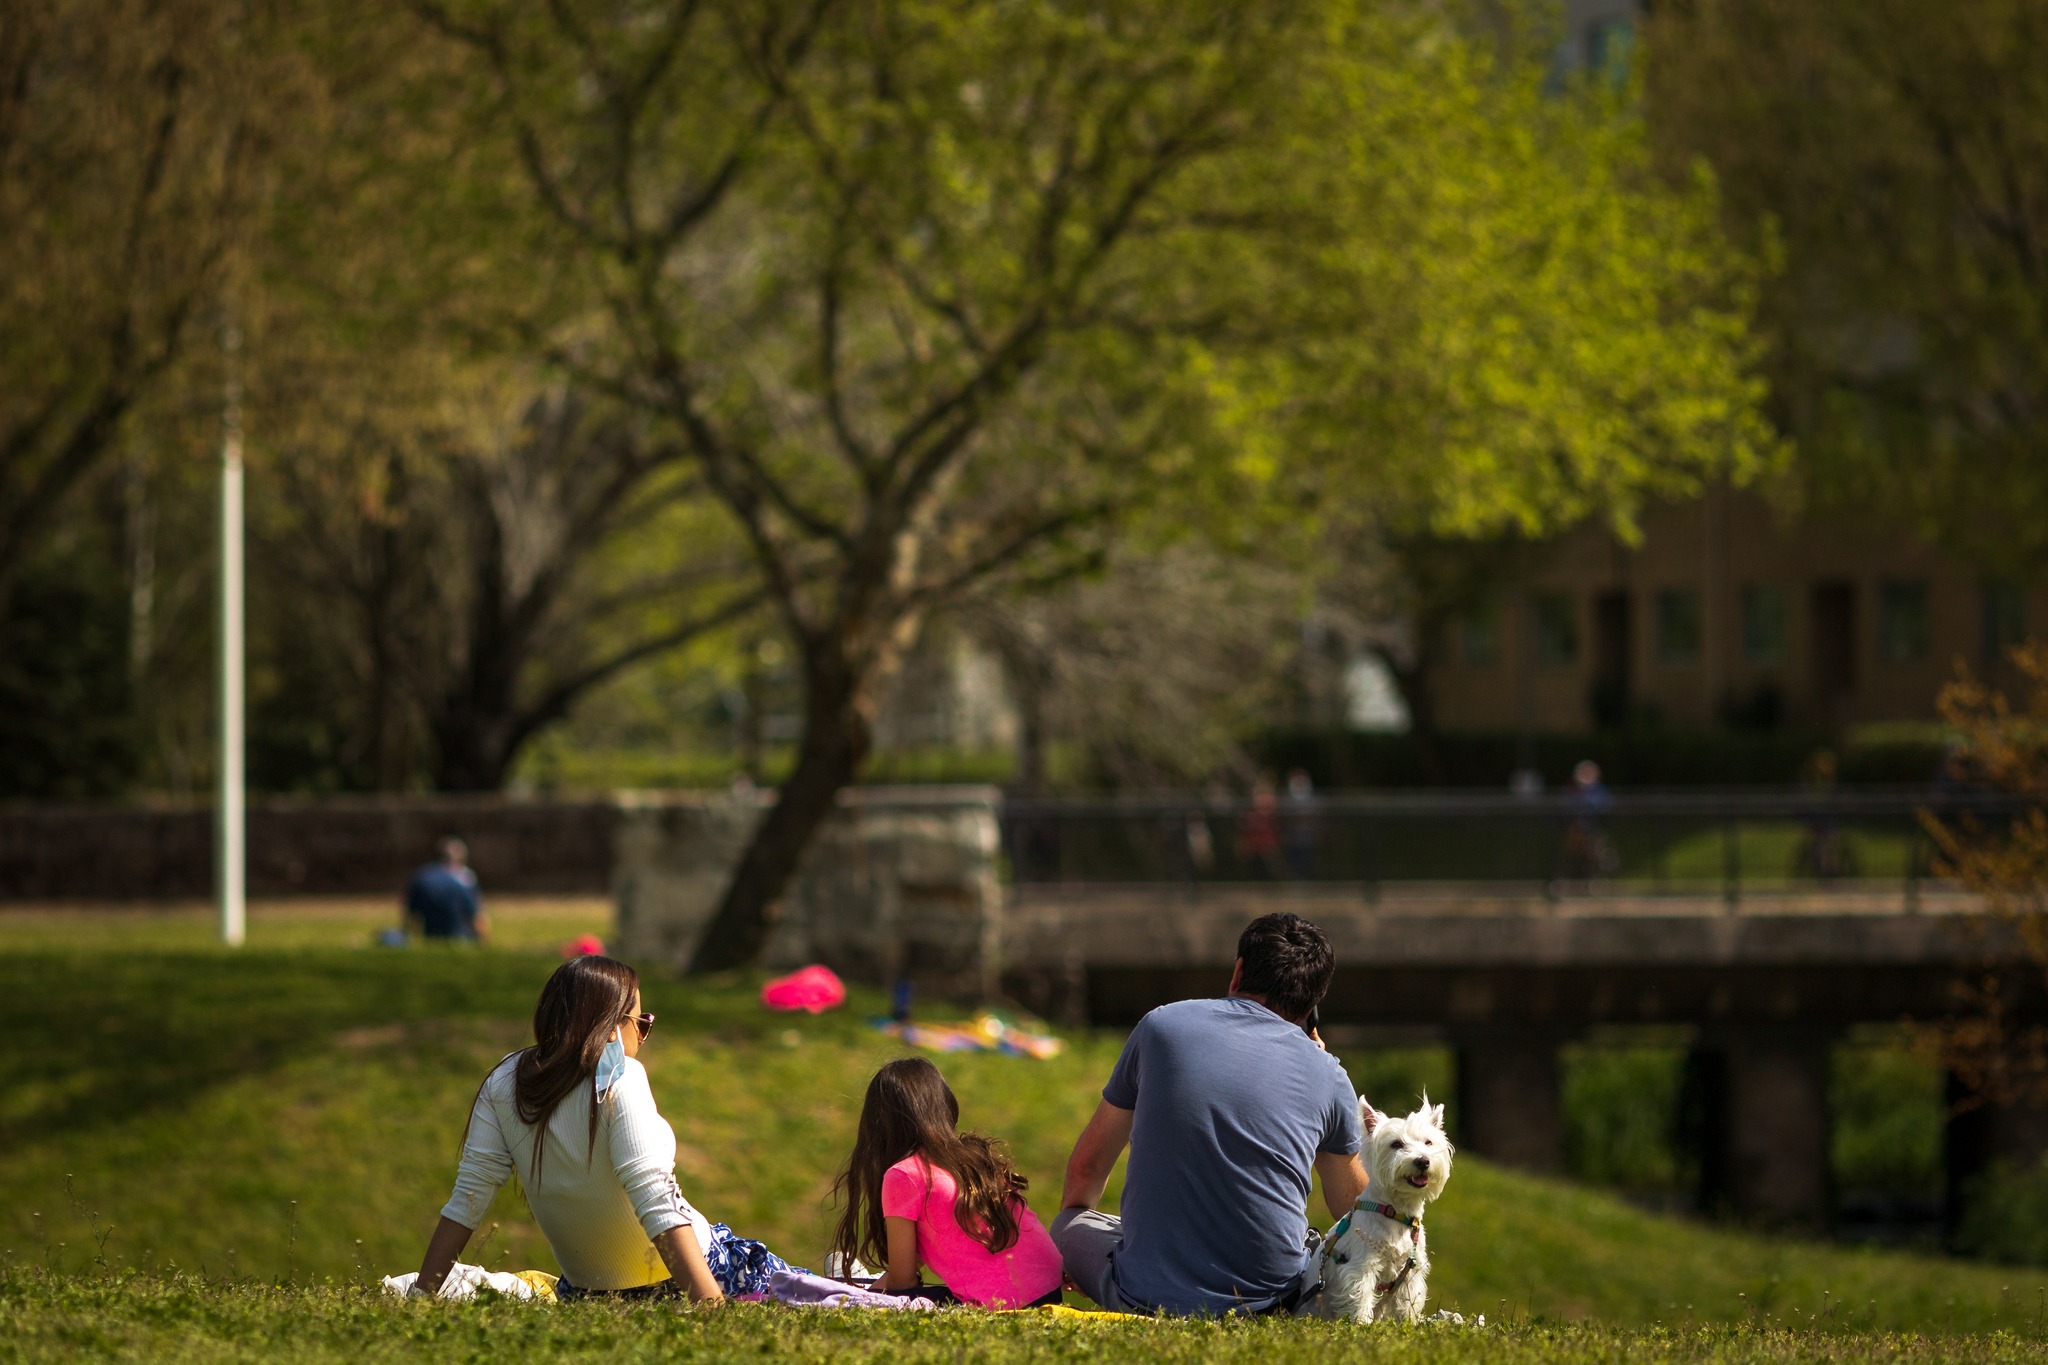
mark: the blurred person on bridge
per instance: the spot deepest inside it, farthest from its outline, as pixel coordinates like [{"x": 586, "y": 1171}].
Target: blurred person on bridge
[
  {"x": 1587, "y": 853},
  {"x": 1303, "y": 826},
  {"x": 1258, "y": 832},
  {"x": 442, "y": 899}
]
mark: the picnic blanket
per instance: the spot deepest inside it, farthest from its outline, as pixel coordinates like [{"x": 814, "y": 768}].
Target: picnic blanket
[
  {"x": 796, "y": 1288},
  {"x": 805, "y": 1290},
  {"x": 986, "y": 1032}
]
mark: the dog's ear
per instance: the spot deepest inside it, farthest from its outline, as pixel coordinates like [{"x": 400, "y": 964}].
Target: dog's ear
[
  {"x": 1436, "y": 1117},
  {"x": 1368, "y": 1117}
]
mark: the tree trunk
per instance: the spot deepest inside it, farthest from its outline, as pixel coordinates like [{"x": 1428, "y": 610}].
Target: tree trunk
[
  {"x": 1031, "y": 740},
  {"x": 471, "y": 755},
  {"x": 1413, "y": 684},
  {"x": 837, "y": 734},
  {"x": 754, "y": 724}
]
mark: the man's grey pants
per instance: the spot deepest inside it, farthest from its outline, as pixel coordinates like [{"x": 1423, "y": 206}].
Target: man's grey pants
[{"x": 1085, "y": 1239}]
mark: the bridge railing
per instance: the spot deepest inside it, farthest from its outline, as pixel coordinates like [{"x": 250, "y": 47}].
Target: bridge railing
[{"x": 1726, "y": 844}]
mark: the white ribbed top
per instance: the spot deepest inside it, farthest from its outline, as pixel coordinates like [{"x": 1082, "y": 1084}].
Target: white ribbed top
[{"x": 600, "y": 1211}]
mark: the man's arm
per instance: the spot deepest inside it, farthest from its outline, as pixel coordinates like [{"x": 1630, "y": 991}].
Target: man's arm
[
  {"x": 1344, "y": 1179},
  {"x": 1095, "y": 1153}
]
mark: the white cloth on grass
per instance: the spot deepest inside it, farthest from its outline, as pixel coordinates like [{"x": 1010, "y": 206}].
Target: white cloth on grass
[
  {"x": 463, "y": 1282},
  {"x": 600, "y": 1210}
]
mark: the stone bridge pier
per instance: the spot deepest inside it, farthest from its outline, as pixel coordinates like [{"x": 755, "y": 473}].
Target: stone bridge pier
[
  {"x": 1757, "y": 1102},
  {"x": 1510, "y": 1105}
]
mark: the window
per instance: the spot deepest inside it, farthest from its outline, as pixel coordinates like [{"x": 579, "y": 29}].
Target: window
[
  {"x": 1557, "y": 629},
  {"x": 1479, "y": 635},
  {"x": 2005, "y": 619},
  {"x": 1678, "y": 626},
  {"x": 1902, "y": 622},
  {"x": 1763, "y": 625},
  {"x": 1609, "y": 46}
]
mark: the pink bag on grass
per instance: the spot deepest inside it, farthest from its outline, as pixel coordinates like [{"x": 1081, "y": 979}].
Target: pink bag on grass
[{"x": 813, "y": 989}]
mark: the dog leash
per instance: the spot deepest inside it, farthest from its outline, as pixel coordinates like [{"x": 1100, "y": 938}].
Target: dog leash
[{"x": 1414, "y": 1241}]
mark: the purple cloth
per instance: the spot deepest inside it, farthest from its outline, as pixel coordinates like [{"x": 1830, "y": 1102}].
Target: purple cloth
[{"x": 815, "y": 1291}]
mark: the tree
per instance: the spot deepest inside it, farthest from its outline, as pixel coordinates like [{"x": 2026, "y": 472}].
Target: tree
[
  {"x": 2001, "y": 1058},
  {"x": 1153, "y": 669},
  {"x": 129, "y": 134},
  {"x": 1899, "y": 152},
  {"x": 453, "y": 543},
  {"x": 894, "y": 274},
  {"x": 1501, "y": 316},
  {"x": 491, "y": 568}
]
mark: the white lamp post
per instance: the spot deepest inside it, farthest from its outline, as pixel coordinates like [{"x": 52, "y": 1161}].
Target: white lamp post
[{"x": 231, "y": 851}]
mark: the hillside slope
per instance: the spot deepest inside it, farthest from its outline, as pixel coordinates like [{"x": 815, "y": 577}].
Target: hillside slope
[{"x": 297, "y": 1114}]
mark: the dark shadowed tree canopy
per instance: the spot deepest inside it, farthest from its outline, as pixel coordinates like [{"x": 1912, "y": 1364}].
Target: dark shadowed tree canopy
[{"x": 1898, "y": 151}]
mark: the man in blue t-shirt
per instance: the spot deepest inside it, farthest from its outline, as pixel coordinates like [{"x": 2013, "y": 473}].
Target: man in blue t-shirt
[
  {"x": 1227, "y": 1106},
  {"x": 442, "y": 896}
]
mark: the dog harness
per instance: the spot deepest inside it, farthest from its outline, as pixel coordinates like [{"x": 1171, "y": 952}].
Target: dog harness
[{"x": 1414, "y": 1226}]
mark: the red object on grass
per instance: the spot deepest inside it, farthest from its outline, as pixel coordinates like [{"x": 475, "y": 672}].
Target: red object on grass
[
  {"x": 813, "y": 989},
  {"x": 583, "y": 945}
]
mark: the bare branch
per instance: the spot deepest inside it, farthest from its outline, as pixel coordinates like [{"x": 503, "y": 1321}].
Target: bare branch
[
  {"x": 556, "y": 701},
  {"x": 856, "y": 451},
  {"x": 1009, "y": 549}
]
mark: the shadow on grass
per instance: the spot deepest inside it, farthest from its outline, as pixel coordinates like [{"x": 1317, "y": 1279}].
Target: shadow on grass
[
  {"x": 92, "y": 1039},
  {"x": 95, "y": 1039}
]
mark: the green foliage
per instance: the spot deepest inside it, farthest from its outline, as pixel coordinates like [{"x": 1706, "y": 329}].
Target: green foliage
[
  {"x": 2008, "y": 1215},
  {"x": 1621, "y": 1104},
  {"x": 1899, "y": 151},
  {"x": 1494, "y": 316},
  {"x": 1396, "y": 1079},
  {"x": 67, "y": 724},
  {"x": 1885, "y": 1099}
]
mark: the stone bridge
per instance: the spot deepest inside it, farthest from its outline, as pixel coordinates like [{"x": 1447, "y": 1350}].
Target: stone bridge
[
  {"x": 1762, "y": 977},
  {"x": 1763, "y": 988}
]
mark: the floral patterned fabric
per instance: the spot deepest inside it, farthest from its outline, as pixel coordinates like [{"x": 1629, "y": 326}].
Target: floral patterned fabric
[{"x": 741, "y": 1266}]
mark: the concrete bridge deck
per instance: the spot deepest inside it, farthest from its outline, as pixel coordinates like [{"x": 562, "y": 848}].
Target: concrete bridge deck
[{"x": 1763, "y": 986}]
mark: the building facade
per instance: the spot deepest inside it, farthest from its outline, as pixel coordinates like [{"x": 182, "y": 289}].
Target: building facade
[{"x": 1728, "y": 612}]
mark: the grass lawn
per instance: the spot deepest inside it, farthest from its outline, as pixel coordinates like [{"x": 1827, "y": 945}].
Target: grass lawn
[
  {"x": 291, "y": 1114},
  {"x": 186, "y": 1321}
]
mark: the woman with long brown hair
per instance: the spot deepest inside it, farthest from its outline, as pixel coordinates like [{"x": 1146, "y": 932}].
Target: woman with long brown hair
[
  {"x": 573, "y": 1117},
  {"x": 919, "y": 1191}
]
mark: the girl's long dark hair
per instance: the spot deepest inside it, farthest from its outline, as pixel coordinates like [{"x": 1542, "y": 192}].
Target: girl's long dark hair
[
  {"x": 910, "y": 1108},
  {"x": 582, "y": 1003}
]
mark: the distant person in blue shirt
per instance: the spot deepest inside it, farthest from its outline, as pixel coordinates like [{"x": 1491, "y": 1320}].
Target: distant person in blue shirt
[
  {"x": 1229, "y": 1107},
  {"x": 442, "y": 901}
]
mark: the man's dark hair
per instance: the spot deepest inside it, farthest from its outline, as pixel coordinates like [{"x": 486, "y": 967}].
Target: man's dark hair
[{"x": 1288, "y": 961}]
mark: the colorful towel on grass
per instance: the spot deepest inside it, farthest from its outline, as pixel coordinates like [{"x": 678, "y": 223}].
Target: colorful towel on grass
[
  {"x": 1066, "y": 1314},
  {"x": 986, "y": 1032}
]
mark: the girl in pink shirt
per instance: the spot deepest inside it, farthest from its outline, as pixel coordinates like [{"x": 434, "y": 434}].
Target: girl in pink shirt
[{"x": 919, "y": 1191}]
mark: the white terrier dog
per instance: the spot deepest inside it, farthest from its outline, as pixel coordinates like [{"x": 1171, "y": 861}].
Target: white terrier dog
[{"x": 1375, "y": 1262}]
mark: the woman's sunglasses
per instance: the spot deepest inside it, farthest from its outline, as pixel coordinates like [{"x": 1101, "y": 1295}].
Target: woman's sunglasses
[{"x": 643, "y": 1022}]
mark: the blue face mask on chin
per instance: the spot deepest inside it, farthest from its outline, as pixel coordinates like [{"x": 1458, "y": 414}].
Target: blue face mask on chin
[{"x": 611, "y": 1064}]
